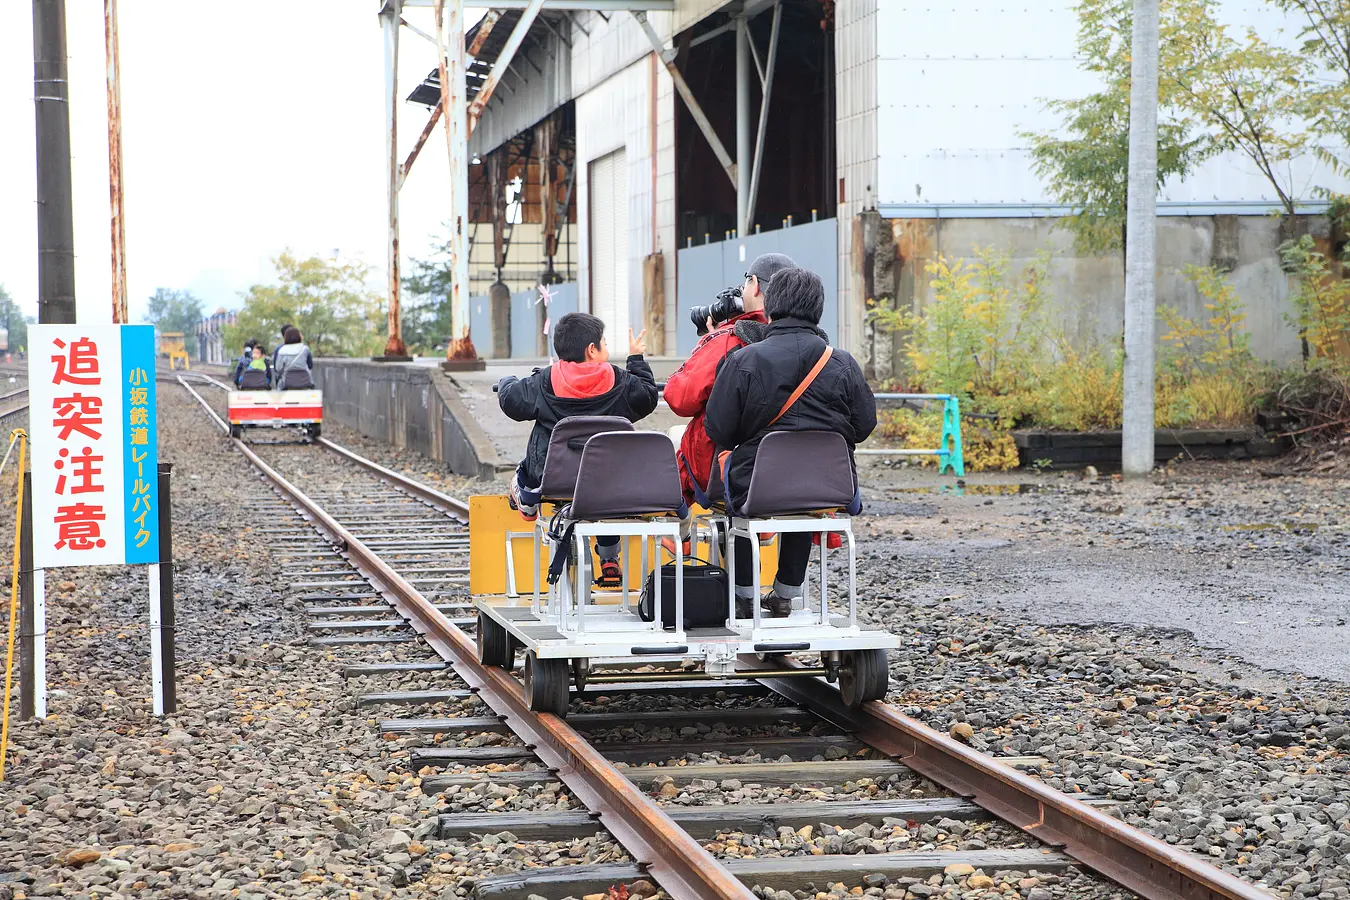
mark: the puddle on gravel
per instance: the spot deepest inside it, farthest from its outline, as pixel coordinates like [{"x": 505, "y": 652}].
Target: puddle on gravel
[
  {"x": 987, "y": 490},
  {"x": 1290, "y": 527}
]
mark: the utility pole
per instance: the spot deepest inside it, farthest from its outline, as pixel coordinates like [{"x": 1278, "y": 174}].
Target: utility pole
[
  {"x": 119, "y": 230},
  {"x": 461, "y": 353},
  {"x": 56, "y": 226},
  {"x": 1140, "y": 251}
]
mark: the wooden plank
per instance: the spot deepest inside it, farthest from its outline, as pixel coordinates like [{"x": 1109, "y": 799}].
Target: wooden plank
[
  {"x": 468, "y": 756},
  {"x": 336, "y": 640},
  {"x": 805, "y": 774},
  {"x": 702, "y": 688},
  {"x": 706, "y": 822},
  {"x": 683, "y": 718},
  {"x": 638, "y": 752},
  {"x": 412, "y": 697},
  {"x": 363, "y": 669},
  {"x": 789, "y": 873}
]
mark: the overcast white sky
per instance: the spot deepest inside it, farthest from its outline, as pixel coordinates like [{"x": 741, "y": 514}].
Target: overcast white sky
[{"x": 248, "y": 127}]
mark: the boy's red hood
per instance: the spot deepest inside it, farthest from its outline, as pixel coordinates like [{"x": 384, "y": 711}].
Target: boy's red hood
[{"x": 584, "y": 379}]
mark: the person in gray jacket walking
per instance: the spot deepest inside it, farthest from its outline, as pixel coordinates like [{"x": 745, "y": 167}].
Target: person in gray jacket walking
[{"x": 293, "y": 363}]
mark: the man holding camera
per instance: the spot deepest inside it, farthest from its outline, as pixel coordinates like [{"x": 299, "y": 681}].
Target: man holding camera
[{"x": 688, "y": 389}]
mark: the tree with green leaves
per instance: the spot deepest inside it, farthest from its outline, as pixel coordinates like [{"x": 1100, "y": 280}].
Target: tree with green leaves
[
  {"x": 426, "y": 303},
  {"x": 1215, "y": 93},
  {"x": 175, "y": 311},
  {"x": 329, "y": 301},
  {"x": 1325, "y": 32},
  {"x": 14, "y": 321},
  {"x": 1086, "y": 163}
]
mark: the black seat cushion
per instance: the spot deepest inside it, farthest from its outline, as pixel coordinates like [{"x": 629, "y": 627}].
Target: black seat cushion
[
  {"x": 798, "y": 472},
  {"x": 627, "y": 474},
  {"x": 565, "y": 444}
]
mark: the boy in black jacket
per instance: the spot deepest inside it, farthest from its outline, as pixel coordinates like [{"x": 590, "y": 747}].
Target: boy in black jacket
[{"x": 581, "y": 383}]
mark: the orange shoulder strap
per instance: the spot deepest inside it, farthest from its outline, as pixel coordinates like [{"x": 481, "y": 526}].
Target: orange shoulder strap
[{"x": 806, "y": 383}]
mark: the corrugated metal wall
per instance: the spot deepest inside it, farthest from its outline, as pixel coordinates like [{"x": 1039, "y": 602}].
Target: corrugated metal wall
[
  {"x": 705, "y": 270},
  {"x": 616, "y": 114},
  {"x": 518, "y": 104},
  {"x": 528, "y": 340},
  {"x": 855, "y": 43}
]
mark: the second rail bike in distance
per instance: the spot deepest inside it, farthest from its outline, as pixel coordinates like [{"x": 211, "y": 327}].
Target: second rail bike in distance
[
  {"x": 603, "y": 478},
  {"x": 301, "y": 410}
]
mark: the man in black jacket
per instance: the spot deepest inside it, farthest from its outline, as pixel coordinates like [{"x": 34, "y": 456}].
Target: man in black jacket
[{"x": 752, "y": 386}]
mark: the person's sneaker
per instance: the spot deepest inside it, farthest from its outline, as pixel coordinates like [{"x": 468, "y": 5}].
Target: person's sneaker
[
  {"x": 775, "y": 606},
  {"x": 528, "y": 511},
  {"x": 611, "y": 574},
  {"x": 668, "y": 545}
]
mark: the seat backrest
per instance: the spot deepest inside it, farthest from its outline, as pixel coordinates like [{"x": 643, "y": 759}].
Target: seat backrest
[
  {"x": 564, "y": 451},
  {"x": 253, "y": 380},
  {"x": 625, "y": 474},
  {"x": 799, "y": 472}
]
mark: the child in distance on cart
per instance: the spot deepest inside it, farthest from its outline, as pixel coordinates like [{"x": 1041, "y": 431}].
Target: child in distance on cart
[{"x": 582, "y": 382}]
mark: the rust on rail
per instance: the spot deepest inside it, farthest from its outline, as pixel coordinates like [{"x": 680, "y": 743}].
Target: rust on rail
[
  {"x": 1132, "y": 858},
  {"x": 660, "y": 847}
]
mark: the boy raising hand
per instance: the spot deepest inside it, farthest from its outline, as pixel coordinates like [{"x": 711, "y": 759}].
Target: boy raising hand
[{"x": 582, "y": 382}]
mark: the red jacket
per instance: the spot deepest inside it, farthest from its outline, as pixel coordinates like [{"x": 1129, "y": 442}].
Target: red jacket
[{"x": 687, "y": 394}]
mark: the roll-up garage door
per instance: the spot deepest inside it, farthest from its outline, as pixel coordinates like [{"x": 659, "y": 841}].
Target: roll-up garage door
[{"x": 609, "y": 248}]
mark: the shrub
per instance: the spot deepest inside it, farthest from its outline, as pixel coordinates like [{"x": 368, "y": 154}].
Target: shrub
[{"x": 987, "y": 340}]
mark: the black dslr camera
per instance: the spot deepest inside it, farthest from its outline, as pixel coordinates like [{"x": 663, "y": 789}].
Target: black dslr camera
[{"x": 727, "y": 304}]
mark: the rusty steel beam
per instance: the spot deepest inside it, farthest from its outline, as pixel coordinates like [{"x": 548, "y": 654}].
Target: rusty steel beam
[
  {"x": 453, "y": 102},
  {"x": 504, "y": 58},
  {"x": 417, "y": 147},
  {"x": 389, "y": 22},
  {"x": 1149, "y": 867},
  {"x": 484, "y": 29},
  {"x": 118, "y": 225},
  {"x": 485, "y": 26},
  {"x": 686, "y": 94}
]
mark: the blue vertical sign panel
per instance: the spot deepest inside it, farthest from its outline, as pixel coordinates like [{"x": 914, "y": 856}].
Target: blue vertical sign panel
[{"x": 140, "y": 444}]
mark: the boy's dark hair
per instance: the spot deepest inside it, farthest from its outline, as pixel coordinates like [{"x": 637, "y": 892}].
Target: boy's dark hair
[
  {"x": 250, "y": 343},
  {"x": 291, "y": 335},
  {"x": 574, "y": 333},
  {"x": 795, "y": 293},
  {"x": 284, "y": 327}
]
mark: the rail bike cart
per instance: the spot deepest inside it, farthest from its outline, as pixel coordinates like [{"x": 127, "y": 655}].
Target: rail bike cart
[
  {"x": 603, "y": 478},
  {"x": 302, "y": 410}
]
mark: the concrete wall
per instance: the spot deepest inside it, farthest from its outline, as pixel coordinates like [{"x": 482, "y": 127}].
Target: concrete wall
[
  {"x": 1086, "y": 293},
  {"x": 406, "y": 405}
]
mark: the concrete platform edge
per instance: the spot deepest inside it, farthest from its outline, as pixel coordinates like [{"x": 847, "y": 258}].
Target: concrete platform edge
[{"x": 407, "y": 405}]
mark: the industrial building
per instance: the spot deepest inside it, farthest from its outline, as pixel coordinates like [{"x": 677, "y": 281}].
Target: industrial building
[{"x": 630, "y": 159}]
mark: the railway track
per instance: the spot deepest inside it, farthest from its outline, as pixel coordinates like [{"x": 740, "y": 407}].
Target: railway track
[{"x": 890, "y": 797}]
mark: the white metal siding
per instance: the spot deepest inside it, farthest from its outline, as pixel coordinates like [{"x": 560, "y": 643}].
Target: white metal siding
[
  {"x": 609, "y": 247},
  {"x": 962, "y": 85},
  {"x": 855, "y": 91}
]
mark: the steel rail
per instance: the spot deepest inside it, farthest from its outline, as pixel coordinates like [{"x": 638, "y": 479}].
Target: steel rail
[
  {"x": 456, "y": 509},
  {"x": 676, "y": 861},
  {"x": 1132, "y": 858}
]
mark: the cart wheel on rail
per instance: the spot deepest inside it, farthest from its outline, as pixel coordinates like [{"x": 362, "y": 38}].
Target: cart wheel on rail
[
  {"x": 236, "y": 431},
  {"x": 314, "y": 431},
  {"x": 494, "y": 643},
  {"x": 864, "y": 676},
  {"x": 546, "y": 684}
]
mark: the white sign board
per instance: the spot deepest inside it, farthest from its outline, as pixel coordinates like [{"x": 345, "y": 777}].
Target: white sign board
[{"x": 91, "y": 392}]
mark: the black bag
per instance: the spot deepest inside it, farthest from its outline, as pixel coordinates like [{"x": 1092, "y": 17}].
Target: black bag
[{"x": 705, "y": 595}]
